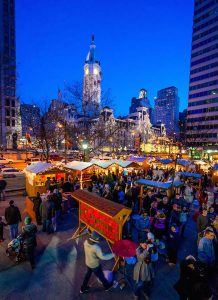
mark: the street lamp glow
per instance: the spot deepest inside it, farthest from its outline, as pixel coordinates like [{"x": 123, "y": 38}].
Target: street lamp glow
[{"x": 85, "y": 146}]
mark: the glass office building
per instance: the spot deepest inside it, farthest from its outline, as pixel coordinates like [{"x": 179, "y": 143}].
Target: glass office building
[{"x": 202, "y": 117}]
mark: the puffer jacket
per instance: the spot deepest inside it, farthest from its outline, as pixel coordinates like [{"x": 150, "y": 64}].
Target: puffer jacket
[
  {"x": 160, "y": 223},
  {"x": 29, "y": 236}
]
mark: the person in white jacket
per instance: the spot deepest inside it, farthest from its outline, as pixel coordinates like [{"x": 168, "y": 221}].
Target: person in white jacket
[{"x": 93, "y": 256}]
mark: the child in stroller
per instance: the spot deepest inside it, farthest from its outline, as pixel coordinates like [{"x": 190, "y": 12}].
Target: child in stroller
[{"x": 15, "y": 248}]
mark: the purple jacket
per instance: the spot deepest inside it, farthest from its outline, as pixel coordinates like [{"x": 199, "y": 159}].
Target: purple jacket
[{"x": 160, "y": 223}]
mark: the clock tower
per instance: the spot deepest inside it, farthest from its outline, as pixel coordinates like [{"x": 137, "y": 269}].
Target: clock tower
[{"x": 92, "y": 83}]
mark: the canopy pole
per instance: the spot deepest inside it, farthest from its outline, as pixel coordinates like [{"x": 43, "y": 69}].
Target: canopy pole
[{"x": 81, "y": 180}]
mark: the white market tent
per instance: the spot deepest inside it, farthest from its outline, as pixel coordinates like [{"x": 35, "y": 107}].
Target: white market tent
[
  {"x": 104, "y": 164},
  {"x": 121, "y": 163},
  {"x": 79, "y": 165},
  {"x": 39, "y": 167}
]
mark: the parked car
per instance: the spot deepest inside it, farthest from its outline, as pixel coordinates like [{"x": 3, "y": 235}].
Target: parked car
[
  {"x": 10, "y": 172},
  {"x": 32, "y": 160},
  {"x": 6, "y": 160}
]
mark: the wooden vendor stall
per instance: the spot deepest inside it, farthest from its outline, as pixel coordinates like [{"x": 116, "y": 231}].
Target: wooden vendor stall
[
  {"x": 37, "y": 174},
  {"x": 159, "y": 185},
  {"x": 117, "y": 165},
  {"x": 81, "y": 170},
  {"x": 100, "y": 215}
]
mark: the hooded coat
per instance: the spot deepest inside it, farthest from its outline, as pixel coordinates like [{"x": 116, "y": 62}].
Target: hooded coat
[
  {"x": 29, "y": 236},
  {"x": 142, "y": 271}
]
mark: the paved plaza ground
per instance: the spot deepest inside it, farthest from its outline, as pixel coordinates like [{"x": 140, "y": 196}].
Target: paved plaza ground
[{"x": 60, "y": 268}]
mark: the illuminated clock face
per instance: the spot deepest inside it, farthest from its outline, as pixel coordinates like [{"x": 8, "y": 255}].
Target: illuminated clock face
[
  {"x": 86, "y": 71},
  {"x": 95, "y": 71}
]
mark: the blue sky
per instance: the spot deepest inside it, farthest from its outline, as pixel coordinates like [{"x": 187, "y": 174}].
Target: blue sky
[{"x": 141, "y": 44}]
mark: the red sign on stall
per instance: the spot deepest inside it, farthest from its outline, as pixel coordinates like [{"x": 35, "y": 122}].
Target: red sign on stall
[{"x": 100, "y": 222}]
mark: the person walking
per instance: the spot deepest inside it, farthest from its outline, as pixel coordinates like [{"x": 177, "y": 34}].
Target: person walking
[
  {"x": 36, "y": 208},
  {"x": 143, "y": 273},
  {"x": 2, "y": 225},
  {"x": 93, "y": 255},
  {"x": 202, "y": 221},
  {"x": 206, "y": 251},
  {"x": 13, "y": 217},
  {"x": 28, "y": 236},
  {"x": 3, "y": 185}
]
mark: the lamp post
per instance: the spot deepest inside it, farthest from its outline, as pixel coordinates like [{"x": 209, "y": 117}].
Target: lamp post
[
  {"x": 64, "y": 126},
  {"x": 85, "y": 147},
  {"x": 178, "y": 156}
]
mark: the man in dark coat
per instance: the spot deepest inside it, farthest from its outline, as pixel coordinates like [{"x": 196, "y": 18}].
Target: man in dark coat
[
  {"x": 3, "y": 185},
  {"x": 12, "y": 217},
  {"x": 36, "y": 208},
  {"x": 149, "y": 198},
  {"x": 28, "y": 236}
]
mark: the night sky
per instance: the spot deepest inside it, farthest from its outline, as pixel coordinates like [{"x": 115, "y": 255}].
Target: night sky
[{"x": 141, "y": 44}]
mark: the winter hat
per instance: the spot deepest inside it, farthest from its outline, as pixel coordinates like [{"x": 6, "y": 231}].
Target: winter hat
[
  {"x": 27, "y": 220},
  {"x": 175, "y": 206},
  {"x": 95, "y": 237},
  {"x": 150, "y": 236}
]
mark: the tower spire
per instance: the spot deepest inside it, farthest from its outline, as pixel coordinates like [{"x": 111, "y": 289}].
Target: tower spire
[{"x": 93, "y": 38}]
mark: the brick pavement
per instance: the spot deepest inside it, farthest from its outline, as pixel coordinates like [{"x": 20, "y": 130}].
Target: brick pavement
[{"x": 60, "y": 268}]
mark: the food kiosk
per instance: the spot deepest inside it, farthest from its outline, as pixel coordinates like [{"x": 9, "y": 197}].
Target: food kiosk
[
  {"x": 82, "y": 171},
  {"x": 159, "y": 185},
  {"x": 101, "y": 215},
  {"x": 37, "y": 174},
  {"x": 116, "y": 165}
]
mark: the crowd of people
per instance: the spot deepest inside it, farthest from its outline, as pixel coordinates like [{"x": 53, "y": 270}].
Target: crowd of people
[{"x": 158, "y": 226}]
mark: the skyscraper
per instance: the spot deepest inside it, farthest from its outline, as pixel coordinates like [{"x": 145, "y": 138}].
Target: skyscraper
[
  {"x": 167, "y": 109},
  {"x": 92, "y": 82},
  {"x": 9, "y": 106},
  {"x": 202, "y": 118}
]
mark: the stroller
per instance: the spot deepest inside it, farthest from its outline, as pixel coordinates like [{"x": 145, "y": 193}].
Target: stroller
[{"x": 15, "y": 248}]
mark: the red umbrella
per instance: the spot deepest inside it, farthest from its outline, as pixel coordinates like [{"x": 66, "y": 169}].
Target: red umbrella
[{"x": 124, "y": 248}]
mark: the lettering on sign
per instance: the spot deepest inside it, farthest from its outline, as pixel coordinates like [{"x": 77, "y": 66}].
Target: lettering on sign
[{"x": 103, "y": 224}]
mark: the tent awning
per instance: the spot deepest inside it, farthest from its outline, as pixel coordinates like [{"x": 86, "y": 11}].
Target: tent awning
[
  {"x": 43, "y": 168},
  {"x": 124, "y": 163},
  {"x": 78, "y": 165},
  {"x": 137, "y": 159},
  {"x": 215, "y": 167},
  {"x": 183, "y": 162},
  {"x": 159, "y": 184},
  {"x": 104, "y": 164},
  {"x": 187, "y": 174},
  {"x": 165, "y": 161}
]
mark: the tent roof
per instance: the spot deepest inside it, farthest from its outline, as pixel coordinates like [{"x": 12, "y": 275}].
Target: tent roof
[
  {"x": 165, "y": 161},
  {"x": 107, "y": 163},
  {"x": 78, "y": 165},
  {"x": 159, "y": 184},
  {"x": 187, "y": 174},
  {"x": 39, "y": 167},
  {"x": 137, "y": 159},
  {"x": 183, "y": 162},
  {"x": 102, "y": 163},
  {"x": 104, "y": 205},
  {"x": 124, "y": 163},
  {"x": 215, "y": 167}
]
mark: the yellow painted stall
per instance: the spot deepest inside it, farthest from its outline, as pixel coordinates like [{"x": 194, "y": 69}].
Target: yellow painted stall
[{"x": 37, "y": 174}]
